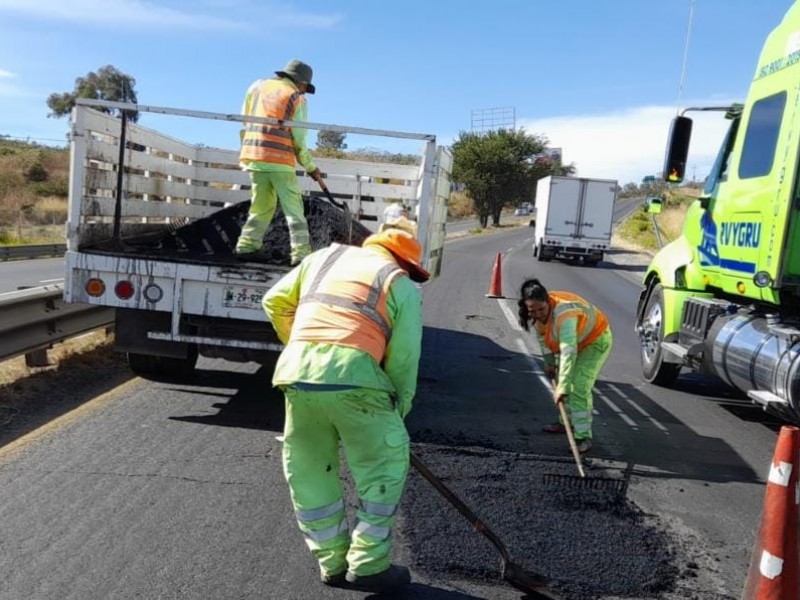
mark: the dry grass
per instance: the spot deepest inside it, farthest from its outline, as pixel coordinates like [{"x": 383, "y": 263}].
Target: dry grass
[
  {"x": 50, "y": 210},
  {"x": 14, "y": 369},
  {"x": 637, "y": 230},
  {"x": 80, "y": 358},
  {"x": 670, "y": 221},
  {"x": 460, "y": 206}
]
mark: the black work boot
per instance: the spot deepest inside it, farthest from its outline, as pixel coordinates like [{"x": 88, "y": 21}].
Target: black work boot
[
  {"x": 337, "y": 580},
  {"x": 393, "y": 577},
  {"x": 584, "y": 445}
]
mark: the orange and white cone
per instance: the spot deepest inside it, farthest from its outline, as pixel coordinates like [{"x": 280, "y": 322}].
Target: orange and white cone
[
  {"x": 496, "y": 283},
  {"x": 773, "y": 573}
]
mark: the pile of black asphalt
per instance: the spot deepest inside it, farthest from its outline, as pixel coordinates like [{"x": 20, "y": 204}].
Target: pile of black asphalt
[
  {"x": 214, "y": 237},
  {"x": 591, "y": 543}
]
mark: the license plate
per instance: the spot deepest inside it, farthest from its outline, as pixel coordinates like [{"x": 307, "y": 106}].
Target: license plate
[{"x": 243, "y": 297}]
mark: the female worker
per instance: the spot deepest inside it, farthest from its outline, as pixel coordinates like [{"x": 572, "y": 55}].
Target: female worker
[{"x": 575, "y": 339}]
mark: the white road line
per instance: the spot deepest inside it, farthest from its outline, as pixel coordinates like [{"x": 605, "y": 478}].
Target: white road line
[
  {"x": 618, "y": 410},
  {"x": 535, "y": 365},
  {"x": 638, "y": 408}
]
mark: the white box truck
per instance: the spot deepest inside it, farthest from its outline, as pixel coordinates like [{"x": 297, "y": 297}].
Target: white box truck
[
  {"x": 574, "y": 217},
  {"x": 153, "y": 222}
]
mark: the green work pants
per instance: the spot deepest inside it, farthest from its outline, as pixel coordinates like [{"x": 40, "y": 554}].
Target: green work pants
[
  {"x": 580, "y": 402},
  {"x": 267, "y": 187},
  {"x": 376, "y": 447}
]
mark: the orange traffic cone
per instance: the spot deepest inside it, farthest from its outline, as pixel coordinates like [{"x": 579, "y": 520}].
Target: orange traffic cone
[
  {"x": 773, "y": 572},
  {"x": 496, "y": 284}
]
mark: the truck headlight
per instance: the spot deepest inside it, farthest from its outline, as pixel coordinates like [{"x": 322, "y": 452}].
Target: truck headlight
[{"x": 762, "y": 279}]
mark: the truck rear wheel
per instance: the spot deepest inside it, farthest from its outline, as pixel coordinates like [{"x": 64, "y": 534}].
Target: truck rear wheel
[
  {"x": 162, "y": 368},
  {"x": 540, "y": 253},
  {"x": 651, "y": 333}
]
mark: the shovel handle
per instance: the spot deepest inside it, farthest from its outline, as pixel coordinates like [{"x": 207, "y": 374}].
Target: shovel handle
[{"x": 571, "y": 438}]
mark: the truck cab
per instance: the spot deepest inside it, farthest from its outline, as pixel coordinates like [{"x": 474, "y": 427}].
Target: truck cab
[{"x": 724, "y": 298}]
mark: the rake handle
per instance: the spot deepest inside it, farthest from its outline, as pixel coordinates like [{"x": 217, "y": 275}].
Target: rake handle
[{"x": 571, "y": 438}]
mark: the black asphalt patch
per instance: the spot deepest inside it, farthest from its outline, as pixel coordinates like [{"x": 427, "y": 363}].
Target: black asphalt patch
[
  {"x": 590, "y": 543},
  {"x": 214, "y": 237}
]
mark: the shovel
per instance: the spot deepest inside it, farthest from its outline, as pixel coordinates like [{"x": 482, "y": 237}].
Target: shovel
[
  {"x": 341, "y": 205},
  {"x": 533, "y": 585}
]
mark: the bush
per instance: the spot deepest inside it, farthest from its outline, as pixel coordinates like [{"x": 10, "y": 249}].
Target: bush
[
  {"x": 58, "y": 188},
  {"x": 36, "y": 172}
]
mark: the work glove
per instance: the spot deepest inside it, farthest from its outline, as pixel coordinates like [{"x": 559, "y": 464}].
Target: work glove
[
  {"x": 550, "y": 373},
  {"x": 316, "y": 175},
  {"x": 402, "y": 407}
]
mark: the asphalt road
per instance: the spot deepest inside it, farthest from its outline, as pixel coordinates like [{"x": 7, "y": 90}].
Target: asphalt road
[
  {"x": 176, "y": 491},
  {"x": 15, "y": 274}
]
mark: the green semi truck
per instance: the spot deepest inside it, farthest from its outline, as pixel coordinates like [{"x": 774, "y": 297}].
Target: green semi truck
[{"x": 724, "y": 298}]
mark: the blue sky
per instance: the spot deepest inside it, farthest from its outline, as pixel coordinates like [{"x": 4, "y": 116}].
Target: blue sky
[{"x": 599, "y": 78}]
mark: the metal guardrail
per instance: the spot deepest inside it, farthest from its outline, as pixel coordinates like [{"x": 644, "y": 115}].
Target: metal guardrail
[
  {"x": 32, "y": 320},
  {"x": 36, "y": 251}
]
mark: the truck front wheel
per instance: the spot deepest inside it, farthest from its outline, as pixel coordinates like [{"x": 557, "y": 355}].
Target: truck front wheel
[
  {"x": 162, "y": 368},
  {"x": 651, "y": 333}
]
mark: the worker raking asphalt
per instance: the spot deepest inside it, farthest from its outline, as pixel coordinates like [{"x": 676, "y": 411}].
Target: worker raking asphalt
[{"x": 592, "y": 545}]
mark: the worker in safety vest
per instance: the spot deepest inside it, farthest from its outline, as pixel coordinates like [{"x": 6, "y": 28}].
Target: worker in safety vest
[
  {"x": 575, "y": 339},
  {"x": 270, "y": 154},
  {"x": 351, "y": 322}
]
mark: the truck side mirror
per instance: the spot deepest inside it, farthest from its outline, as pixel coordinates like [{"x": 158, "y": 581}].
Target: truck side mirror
[
  {"x": 678, "y": 149},
  {"x": 653, "y": 205}
]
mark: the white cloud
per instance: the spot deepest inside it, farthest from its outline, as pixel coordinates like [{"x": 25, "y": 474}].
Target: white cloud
[
  {"x": 629, "y": 144},
  {"x": 6, "y": 74},
  {"x": 143, "y": 13}
]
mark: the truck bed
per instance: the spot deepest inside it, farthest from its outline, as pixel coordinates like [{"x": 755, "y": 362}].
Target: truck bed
[{"x": 212, "y": 239}]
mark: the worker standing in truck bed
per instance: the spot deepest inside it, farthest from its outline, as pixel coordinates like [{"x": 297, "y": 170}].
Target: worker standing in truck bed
[{"x": 270, "y": 154}]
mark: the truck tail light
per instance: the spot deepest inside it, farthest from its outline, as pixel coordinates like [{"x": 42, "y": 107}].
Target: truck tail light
[
  {"x": 153, "y": 293},
  {"x": 124, "y": 289},
  {"x": 95, "y": 287}
]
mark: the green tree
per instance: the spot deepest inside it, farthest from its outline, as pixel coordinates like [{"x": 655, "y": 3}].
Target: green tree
[
  {"x": 501, "y": 167},
  {"x": 107, "y": 83},
  {"x": 332, "y": 140}
]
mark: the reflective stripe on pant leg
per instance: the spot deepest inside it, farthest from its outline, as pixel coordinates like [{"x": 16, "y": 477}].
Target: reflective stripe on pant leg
[
  {"x": 311, "y": 466},
  {"x": 587, "y": 368},
  {"x": 291, "y": 200},
  {"x": 376, "y": 445},
  {"x": 262, "y": 209}
]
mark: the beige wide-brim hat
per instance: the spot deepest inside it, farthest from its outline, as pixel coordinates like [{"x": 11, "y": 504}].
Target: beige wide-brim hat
[{"x": 401, "y": 223}]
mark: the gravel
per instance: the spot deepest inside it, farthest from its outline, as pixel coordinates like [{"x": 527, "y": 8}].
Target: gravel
[
  {"x": 214, "y": 237},
  {"x": 591, "y": 543}
]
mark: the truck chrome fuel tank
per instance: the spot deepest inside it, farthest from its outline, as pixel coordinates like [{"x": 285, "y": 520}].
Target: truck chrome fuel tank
[{"x": 751, "y": 351}]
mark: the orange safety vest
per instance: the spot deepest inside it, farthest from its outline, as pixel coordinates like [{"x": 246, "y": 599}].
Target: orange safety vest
[
  {"x": 592, "y": 322},
  {"x": 345, "y": 304},
  {"x": 273, "y": 144}
]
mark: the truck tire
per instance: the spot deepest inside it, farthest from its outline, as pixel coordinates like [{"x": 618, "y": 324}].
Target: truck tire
[
  {"x": 654, "y": 369},
  {"x": 540, "y": 254},
  {"x": 162, "y": 368}
]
